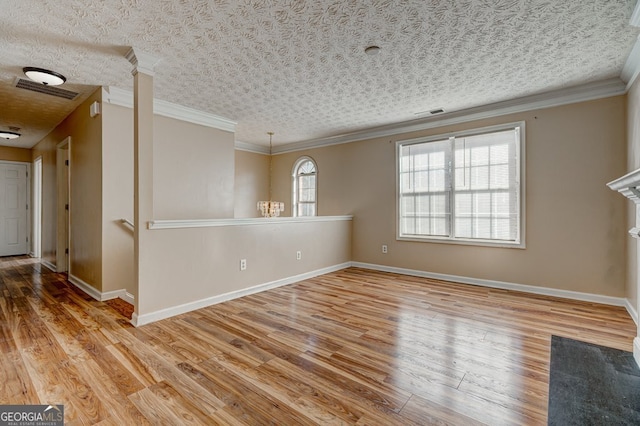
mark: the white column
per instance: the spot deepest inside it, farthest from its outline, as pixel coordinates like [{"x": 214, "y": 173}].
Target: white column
[{"x": 143, "y": 71}]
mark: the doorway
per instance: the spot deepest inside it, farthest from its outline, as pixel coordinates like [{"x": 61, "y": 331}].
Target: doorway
[
  {"x": 63, "y": 175},
  {"x": 14, "y": 205}
]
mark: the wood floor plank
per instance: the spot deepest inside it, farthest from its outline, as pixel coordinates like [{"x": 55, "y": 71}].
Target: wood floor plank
[
  {"x": 16, "y": 387},
  {"x": 352, "y": 347},
  {"x": 423, "y": 411},
  {"x": 120, "y": 408}
]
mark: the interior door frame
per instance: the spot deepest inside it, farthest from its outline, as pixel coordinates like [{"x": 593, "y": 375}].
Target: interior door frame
[
  {"x": 63, "y": 216},
  {"x": 36, "y": 211}
]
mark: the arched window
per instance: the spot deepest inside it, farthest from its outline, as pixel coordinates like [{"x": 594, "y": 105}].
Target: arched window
[{"x": 305, "y": 187}]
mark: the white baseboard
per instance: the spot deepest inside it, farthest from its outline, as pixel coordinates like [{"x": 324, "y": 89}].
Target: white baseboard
[
  {"x": 545, "y": 291},
  {"x": 138, "y": 320},
  {"x": 98, "y": 295},
  {"x": 128, "y": 297},
  {"x": 122, "y": 294},
  {"x": 632, "y": 310},
  {"x": 636, "y": 350},
  {"x": 89, "y": 289},
  {"x": 48, "y": 265}
]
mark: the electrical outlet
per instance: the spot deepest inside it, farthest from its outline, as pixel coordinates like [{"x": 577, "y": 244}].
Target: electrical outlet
[
  {"x": 298, "y": 255},
  {"x": 384, "y": 248},
  {"x": 243, "y": 264}
]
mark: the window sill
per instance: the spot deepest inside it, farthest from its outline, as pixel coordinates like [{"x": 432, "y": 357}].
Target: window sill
[{"x": 479, "y": 243}]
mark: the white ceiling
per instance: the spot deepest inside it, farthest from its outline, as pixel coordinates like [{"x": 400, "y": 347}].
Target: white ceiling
[{"x": 298, "y": 67}]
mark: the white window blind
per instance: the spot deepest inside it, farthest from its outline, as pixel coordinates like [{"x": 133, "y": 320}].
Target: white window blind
[{"x": 462, "y": 187}]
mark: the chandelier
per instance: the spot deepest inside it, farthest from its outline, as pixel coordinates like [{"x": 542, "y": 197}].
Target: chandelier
[{"x": 270, "y": 208}]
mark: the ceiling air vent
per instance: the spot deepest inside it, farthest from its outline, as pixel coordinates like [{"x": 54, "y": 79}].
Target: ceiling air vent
[
  {"x": 47, "y": 90},
  {"x": 432, "y": 112}
]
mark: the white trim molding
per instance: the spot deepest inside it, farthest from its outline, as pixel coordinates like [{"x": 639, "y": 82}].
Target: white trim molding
[
  {"x": 627, "y": 185},
  {"x": 632, "y": 311},
  {"x": 138, "y": 320},
  {"x": 636, "y": 349},
  {"x": 142, "y": 61},
  {"x": 128, "y": 297},
  {"x": 116, "y": 96},
  {"x": 545, "y": 291},
  {"x": 631, "y": 67},
  {"x": 635, "y": 16},
  {"x": 581, "y": 93},
  {"x": 97, "y": 294},
  {"x": 48, "y": 265},
  {"x": 207, "y": 223},
  {"x": 87, "y": 288},
  {"x": 250, "y": 147},
  {"x": 115, "y": 294}
]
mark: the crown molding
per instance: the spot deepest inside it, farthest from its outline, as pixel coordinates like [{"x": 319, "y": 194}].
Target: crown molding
[
  {"x": 585, "y": 92},
  {"x": 120, "y": 97},
  {"x": 631, "y": 67},
  {"x": 250, "y": 147},
  {"x": 635, "y": 16},
  {"x": 142, "y": 62}
]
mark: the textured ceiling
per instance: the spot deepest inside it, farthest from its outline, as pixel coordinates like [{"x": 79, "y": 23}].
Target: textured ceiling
[{"x": 298, "y": 68}]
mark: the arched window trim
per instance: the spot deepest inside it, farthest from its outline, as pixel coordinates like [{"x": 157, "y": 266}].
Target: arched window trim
[{"x": 294, "y": 180}]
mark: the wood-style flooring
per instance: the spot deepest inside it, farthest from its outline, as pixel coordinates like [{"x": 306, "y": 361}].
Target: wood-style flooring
[{"x": 351, "y": 347}]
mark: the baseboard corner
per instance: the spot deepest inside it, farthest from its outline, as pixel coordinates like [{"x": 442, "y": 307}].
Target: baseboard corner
[
  {"x": 631, "y": 310},
  {"x": 48, "y": 265}
]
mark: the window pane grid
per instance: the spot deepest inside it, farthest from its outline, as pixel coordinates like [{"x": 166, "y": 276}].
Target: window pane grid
[
  {"x": 304, "y": 188},
  {"x": 461, "y": 188}
]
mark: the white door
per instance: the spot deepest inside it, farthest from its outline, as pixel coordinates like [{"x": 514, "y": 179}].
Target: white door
[{"x": 13, "y": 209}]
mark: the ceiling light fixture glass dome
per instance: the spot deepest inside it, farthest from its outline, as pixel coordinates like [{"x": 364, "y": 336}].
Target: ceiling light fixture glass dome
[
  {"x": 43, "y": 76},
  {"x": 9, "y": 135}
]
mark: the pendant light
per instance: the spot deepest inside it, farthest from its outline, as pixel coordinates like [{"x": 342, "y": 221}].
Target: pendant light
[{"x": 270, "y": 208}]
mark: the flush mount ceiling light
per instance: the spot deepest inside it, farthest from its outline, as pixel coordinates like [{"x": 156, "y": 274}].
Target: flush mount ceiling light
[
  {"x": 9, "y": 135},
  {"x": 372, "y": 50},
  {"x": 43, "y": 76}
]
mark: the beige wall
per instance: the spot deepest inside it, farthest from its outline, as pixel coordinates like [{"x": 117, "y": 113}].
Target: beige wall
[
  {"x": 575, "y": 225},
  {"x": 193, "y": 171},
  {"x": 85, "y": 198},
  {"x": 193, "y": 264},
  {"x": 192, "y": 179},
  {"x": 633, "y": 163},
  {"x": 251, "y": 182},
  {"x": 10, "y": 153},
  {"x": 117, "y": 198}
]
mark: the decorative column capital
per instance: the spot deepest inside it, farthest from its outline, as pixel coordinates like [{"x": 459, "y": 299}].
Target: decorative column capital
[{"x": 142, "y": 62}]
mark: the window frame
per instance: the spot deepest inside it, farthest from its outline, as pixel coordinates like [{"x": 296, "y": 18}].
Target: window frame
[
  {"x": 294, "y": 186},
  {"x": 451, "y": 239}
]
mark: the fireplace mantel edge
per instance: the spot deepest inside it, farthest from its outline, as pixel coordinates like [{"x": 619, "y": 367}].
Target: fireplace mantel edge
[{"x": 628, "y": 185}]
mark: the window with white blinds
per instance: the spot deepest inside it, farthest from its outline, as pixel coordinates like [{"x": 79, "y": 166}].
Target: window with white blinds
[{"x": 462, "y": 187}]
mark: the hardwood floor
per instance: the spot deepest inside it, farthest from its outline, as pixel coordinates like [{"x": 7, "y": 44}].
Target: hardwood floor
[{"x": 351, "y": 347}]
